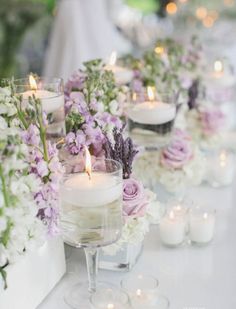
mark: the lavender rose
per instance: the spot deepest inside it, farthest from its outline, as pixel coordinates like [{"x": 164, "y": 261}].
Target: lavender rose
[
  {"x": 177, "y": 154},
  {"x": 134, "y": 198},
  {"x": 212, "y": 120}
]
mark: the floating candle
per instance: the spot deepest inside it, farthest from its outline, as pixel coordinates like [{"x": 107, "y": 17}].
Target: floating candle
[
  {"x": 51, "y": 101},
  {"x": 122, "y": 75},
  {"x": 151, "y": 112}
]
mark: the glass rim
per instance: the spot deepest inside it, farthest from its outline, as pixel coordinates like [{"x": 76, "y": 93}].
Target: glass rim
[
  {"x": 144, "y": 276},
  {"x": 51, "y": 80},
  {"x": 118, "y": 164}
]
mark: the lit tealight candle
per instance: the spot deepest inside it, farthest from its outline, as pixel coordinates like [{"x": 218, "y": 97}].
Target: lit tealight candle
[
  {"x": 122, "y": 75},
  {"x": 221, "y": 169},
  {"x": 172, "y": 229},
  {"x": 51, "y": 101},
  {"x": 201, "y": 226},
  {"x": 143, "y": 292}
]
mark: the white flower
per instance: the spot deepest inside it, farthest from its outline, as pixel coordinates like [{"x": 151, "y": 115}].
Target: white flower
[{"x": 3, "y": 123}]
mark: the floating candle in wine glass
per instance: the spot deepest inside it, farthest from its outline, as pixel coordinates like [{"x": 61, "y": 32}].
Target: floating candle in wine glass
[{"x": 122, "y": 75}]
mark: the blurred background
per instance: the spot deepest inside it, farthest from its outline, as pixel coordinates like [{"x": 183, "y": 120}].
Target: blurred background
[{"x": 53, "y": 38}]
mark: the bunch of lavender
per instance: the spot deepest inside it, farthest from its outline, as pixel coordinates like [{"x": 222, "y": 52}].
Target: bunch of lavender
[
  {"x": 121, "y": 150},
  {"x": 42, "y": 155},
  {"x": 94, "y": 105}
]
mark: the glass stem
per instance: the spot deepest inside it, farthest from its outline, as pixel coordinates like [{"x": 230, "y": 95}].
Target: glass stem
[{"x": 92, "y": 267}]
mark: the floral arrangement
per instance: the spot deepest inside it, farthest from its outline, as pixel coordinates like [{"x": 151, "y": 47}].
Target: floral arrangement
[
  {"x": 169, "y": 66},
  {"x": 94, "y": 106},
  {"x": 178, "y": 165},
  {"x": 30, "y": 171},
  {"x": 202, "y": 119},
  {"x": 140, "y": 206}
]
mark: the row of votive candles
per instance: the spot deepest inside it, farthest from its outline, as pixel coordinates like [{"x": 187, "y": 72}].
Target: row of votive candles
[
  {"x": 137, "y": 292},
  {"x": 198, "y": 223}
]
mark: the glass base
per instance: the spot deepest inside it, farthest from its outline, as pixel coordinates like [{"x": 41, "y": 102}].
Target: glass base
[{"x": 78, "y": 296}]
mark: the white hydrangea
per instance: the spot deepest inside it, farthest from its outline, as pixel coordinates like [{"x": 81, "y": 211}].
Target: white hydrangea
[{"x": 151, "y": 172}]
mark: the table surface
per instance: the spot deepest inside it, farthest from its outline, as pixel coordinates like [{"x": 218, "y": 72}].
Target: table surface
[{"x": 191, "y": 277}]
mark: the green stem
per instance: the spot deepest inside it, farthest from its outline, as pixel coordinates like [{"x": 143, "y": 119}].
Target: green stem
[{"x": 4, "y": 191}]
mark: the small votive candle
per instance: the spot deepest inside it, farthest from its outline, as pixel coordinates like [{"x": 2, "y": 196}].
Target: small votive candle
[
  {"x": 221, "y": 169},
  {"x": 143, "y": 292},
  {"x": 110, "y": 298},
  {"x": 172, "y": 229},
  {"x": 201, "y": 226}
]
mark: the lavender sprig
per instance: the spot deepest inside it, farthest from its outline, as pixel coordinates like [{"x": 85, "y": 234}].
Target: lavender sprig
[{"x": 123, "y": 151}]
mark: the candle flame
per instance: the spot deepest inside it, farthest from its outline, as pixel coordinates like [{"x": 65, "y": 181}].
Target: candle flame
[
  {"x": 32, "y": 82},
  {"x": 205, "y": 216},
  {"x": 134, "y": 96},
  {"x": 139, "y": 292},
  {"x": 172, "y": 215},
  {"x": 159, "y": 50},
  {"x": 171, "y": 8},
  {"x": 178, "y": 207},
  {"x": 223, "y": 156},
  {"x": 113, "y": 57},
  {"x": 88, "y": 164},
  {"x": 150, "y": 91},
  {"x": 110, "y": 306},
  {"x": 218, "y": 66}
]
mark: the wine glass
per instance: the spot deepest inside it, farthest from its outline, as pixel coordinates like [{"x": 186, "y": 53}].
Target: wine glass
[{"x": 90, "y": 214}]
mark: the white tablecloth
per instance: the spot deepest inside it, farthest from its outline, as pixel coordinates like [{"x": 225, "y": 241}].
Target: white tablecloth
[{"x": 191, "y": 277}]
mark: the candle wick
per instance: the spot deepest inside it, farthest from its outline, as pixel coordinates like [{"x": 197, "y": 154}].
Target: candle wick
[{"x": 89, "y": 174}]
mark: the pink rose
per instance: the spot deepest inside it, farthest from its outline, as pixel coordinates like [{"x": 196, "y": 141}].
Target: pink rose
[
  {"x": 177, "y": 154},
  {"x": 213, "y": 120},
  {"x": 134, "y": 198}
]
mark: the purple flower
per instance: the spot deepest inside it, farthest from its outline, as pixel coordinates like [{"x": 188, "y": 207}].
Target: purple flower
[
  {"x": 212, "y": 120},
  {"x": 177, "y": 154},
  {"x": 42, "y": 168},
  {"x": 31, "y": 136},
  {"x": 134, "y": 198}
]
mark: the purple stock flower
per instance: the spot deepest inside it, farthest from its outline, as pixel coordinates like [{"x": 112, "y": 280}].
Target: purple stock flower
[{"x": 31, "y": 136}]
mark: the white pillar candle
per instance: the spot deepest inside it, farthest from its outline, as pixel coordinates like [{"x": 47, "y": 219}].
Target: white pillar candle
[
  {"x": 172, "y": 229},
  {"x": 201, "y": 226},
  {"x": 221, "y": 169},
  {"x": 51, "y": 101}
]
